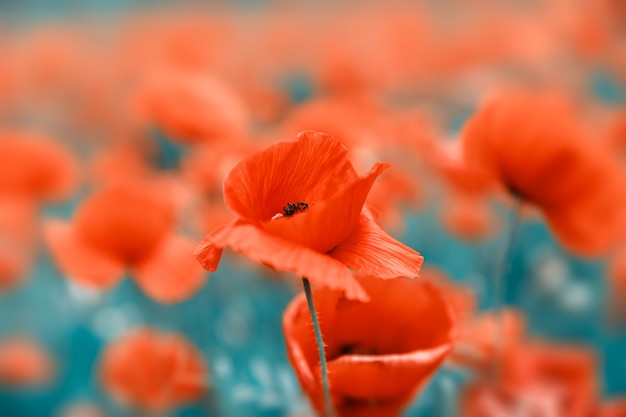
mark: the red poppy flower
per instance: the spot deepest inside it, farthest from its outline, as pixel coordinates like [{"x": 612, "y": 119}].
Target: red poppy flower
[
  {"x": 24, "y": 363},
  {"x": 153, "y": 370},
  {"x": 126, "y": 226},
  {"x": 489, "y": 340},
  {"x": 539, "y": 379},
  {"x": 300, "y": 208},
  {"x": 35, "y": 167},
  {"x": 190, "y": 106},
  {"x": 533, "y": 145},
  {"x": 379, "y": 353}
]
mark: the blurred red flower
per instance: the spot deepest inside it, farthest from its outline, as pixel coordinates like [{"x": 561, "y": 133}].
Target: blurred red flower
[
  {"x": 300, "y": 207},
  {"x": 126, "y": 226},
  {"x": 380, "y": 353},
  {"x": 153, "y": 370},
  {"x": 35, "y": 167},
  {"x": 487, "y": 340},
  {"x": 23, "y": 362},
  {"x": 538, "y": 380},
  {"x": 189, "y": 106},
  {"x": 533, "y": 145}
]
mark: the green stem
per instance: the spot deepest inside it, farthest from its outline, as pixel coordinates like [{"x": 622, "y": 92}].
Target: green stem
[
  {"x": 328, "y": 405},
  {"x": 499, "y": 288}
]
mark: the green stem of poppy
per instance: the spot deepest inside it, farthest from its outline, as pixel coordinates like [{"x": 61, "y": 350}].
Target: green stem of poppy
[
  {"x": 328, "y": 405},
  {"x": 499, "y": 288}
]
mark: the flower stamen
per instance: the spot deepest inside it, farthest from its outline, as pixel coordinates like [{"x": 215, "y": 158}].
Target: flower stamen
[{"x": 292, "y": 208}]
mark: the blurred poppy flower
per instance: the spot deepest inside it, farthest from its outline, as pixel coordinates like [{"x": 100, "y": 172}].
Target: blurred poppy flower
[
  {"x": 35, "y": 167},
  {"x": 532, "y": 144},
  {"x": 153, "y": 370},
  {"x": 24, "y": 363},
  {"x": 190, "y": 107},
  {"x": 126, "y": 226},
  {"x": 539, "y": 379},
  {"x": 487, "y": 340},
  {"x": 300, "y": 207},
  {"x": 380, "y": 353}
]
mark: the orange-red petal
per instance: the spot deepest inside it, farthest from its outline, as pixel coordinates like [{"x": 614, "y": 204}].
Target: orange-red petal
[
  {"x": 207, "y": 253},
  {"x": 78, "y": 260},
  {"x": 371, "y": 251},
  {"x": 281, "y": 255},
  {"x": 379, "y": 352},
  {"x": 311, "y": 169},
  {"x": 328, "y": 223},
  {"x": 171, "y": 274}
]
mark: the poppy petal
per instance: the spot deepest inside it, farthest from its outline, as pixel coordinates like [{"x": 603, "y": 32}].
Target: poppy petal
[
  {"x": 311, "y": 169},
  {"x": 207, "y": 253},
  {"x": 283, "y": 255},
  {"x": 359, "y": 376},
  {"x": 78, "y": 260},
  {"x": 323, "y": 226},
  {"x": 371, "y": 251},
  {"x": 171, "y": 274}
]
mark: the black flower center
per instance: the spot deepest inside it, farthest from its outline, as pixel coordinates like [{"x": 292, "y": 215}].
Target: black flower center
[{"x": 292, "y": 208}]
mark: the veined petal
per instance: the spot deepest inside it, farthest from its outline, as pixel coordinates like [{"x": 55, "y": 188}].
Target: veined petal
[
  {"x": 78, "y": 260},
  {"x": 326, "y": 224},
  {"x": 311, "y": 169},
  {"x": 283, "y": 255},
  {"x": 371, "y": 251},
  {"x": 171, "y": 274}
]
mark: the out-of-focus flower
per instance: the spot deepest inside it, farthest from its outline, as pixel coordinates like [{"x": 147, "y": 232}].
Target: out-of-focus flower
[
  {"x": 532, "y": 144},
  {"x": 153, "y": 370},
  {"x": 190, "y": 107},
  {"x": 23, "y": 363},
  {"x": 127, "y": 226},
  {"x": 380, "y": 353},
  {"x": 35, "y": 167},
  {"x": 300, "y": 207},
  {"x": 489, "y": 339},
  {"x": 538, "y": 379}
]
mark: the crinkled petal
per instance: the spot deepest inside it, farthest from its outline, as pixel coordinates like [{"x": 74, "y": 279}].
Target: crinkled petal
[
  {"x": 371, "y": 251},
  {"x": 78, "y": 260},
  {"x": 283, "y": 255},
  {"x": 326, "y": 224},
  {"x": 171, "y": 274},
  {"x": 313, "y": 168}
]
